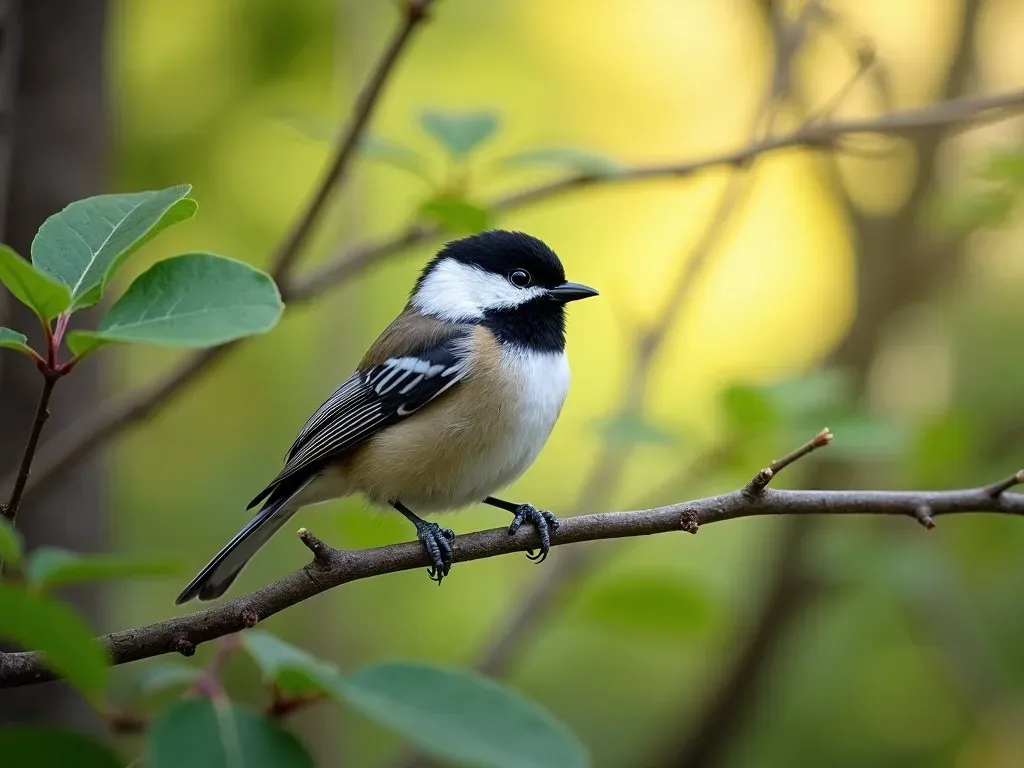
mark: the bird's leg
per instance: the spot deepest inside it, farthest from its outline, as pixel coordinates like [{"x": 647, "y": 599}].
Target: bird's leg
[
  {"x": 545, "y": 523},
  {"x": 436, "y": 539}
]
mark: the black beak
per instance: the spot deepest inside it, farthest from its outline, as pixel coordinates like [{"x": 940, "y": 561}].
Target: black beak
[{"x": 571, "y": 292}]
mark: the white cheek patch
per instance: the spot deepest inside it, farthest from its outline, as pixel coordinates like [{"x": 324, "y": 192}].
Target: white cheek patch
[{"x": 456, "y": 291}]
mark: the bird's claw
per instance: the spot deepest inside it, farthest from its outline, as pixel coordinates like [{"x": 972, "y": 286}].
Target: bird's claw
[
  {"x": 438, "y": 542},
  {"x": 545, "y": 523}
]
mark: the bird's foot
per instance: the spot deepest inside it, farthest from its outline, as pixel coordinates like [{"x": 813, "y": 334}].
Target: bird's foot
[
  {"x": 438, "y": 542},
  {"x": 545, "y": 523}
]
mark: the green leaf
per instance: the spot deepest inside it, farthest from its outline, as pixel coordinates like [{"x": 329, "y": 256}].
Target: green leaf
[
  {"x": 940, "y": 446},
  {"x": 50, "y": 567},
  {"x": 1004, "y": 165},
  {"x": 456, "y": 214},
  {"x": 293, "y": 670},
  {"x": 159, "y": 676},
  {"x": 627, "y": 429},
  {"x": 84, "y": 244},
  {"x": 462, "y": 717},
  {"x": 748, "y": 409},
  {"x": 580, "y": 160},
  {"x": 197, "y": 733},
  {"x": 14, "y": 340},
  {"x": 459, "y": 132},
  {"x": 10, "y": 543},
  {"x": 813, "y": 395},
  {"x": 864, "y": 560},
  {"x": 193, "y": 300},
  {"x": 652, "y": 605},
  {"x": 40, "y": 746},
  {"x": 310, "y": 125},
  {"x": 396, "y": 155},
  {"x": 861, "y": 438},
  {"x": 38, "y": 623},
  {"x": 36, "y": 290},
  {"x": 989, "y": 209}
]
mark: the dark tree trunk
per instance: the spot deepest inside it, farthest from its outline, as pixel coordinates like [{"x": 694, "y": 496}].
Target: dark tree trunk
[{"x": 53, "y": 142}]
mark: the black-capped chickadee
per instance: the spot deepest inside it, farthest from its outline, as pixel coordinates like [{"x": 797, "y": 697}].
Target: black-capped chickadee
[{"x": 453, "y": 401}]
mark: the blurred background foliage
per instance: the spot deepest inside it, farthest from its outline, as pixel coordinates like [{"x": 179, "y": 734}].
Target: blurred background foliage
[{"x": 905, "y": 650}]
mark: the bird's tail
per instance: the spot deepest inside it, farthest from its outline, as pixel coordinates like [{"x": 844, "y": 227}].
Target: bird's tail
[{"x": 214, "y": 580}]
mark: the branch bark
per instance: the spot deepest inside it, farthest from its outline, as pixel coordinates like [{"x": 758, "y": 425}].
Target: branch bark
[
  {"x": 104, "y": 423},
  {"x": 331, "y": 567}
]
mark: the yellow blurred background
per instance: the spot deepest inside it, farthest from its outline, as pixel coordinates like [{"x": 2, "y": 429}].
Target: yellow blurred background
[{"x": 222, "y": 95}]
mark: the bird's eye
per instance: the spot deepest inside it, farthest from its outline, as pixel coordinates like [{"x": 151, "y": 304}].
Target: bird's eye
[{"x": 520, "y": 278}]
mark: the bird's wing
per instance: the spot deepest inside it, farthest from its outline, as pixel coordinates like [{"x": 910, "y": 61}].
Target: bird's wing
[{"x": 370, "y": 400}]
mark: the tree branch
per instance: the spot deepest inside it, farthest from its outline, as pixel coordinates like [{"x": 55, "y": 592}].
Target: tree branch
[
  {"x": 10, "y": 509},
  {"x": 907, "y": 123},
  {"x": 331, "y": 567}
]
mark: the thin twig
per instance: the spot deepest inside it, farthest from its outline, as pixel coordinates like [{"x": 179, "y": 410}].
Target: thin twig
[
  {"x": 10, "y": 509},
  {"x": 761, "y": 479},
  {"x": 820, "y": 135},
  {"x": 1006, "y": 484},
  {"x": 336, "y": 567},
  {"x": 210, "y": 683},
  {"x": 414, "y": 13}
]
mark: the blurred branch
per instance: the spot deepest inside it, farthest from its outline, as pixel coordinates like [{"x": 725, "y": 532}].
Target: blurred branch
[
  {"x": 331, "y": 567},
  {"x": 102, "y": 424},
  {"x": 788, "y": 591},
  {"x": 962, "y": 113},
  {"x": 890, "y": 276},
  {"x": 414, "y": 12}
]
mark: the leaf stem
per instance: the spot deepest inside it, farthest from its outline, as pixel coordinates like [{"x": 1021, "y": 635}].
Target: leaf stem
[{"x": 10, "y": 510}]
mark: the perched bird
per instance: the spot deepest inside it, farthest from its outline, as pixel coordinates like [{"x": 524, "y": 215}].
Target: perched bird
[{"x": 452, "y": 402}]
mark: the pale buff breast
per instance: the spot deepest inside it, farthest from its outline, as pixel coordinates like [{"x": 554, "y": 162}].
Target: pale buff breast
[{"x": 472, "y": 441}]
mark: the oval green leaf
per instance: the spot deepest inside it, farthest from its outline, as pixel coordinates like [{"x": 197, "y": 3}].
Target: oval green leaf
[
  {"x": 652, "y": 605},
  {"x": 456, "y": 214},
  {"x": 861, "y": 437},
  {"x": 13, "y": 340},
  {"x": 291, "y": 669},
  {"x": 580, "y": 160},
  {"x": 10, "y": 543},
  {"x": 84, "y": 244},
  {"x": 459, "y": 132},
  {"x": 38, "y": 623},
  {"x": 193, "y": 300},
  {"x": 38, "y": 746},
  {"x": 198, "y": 733},
  {"x": 36, "y": 290},
  {"x": 627, "y": 429},
  {"x": 159, "y": 676},
  {"x": 463, "y": 717},
  {"x": 748, "y": 409},
  {"x": 396, "y": 155},
  {"x": 50, "y": 567}
]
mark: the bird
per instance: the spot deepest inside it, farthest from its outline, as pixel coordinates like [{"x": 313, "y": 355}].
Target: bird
[{"x": 452, "y": 402}]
